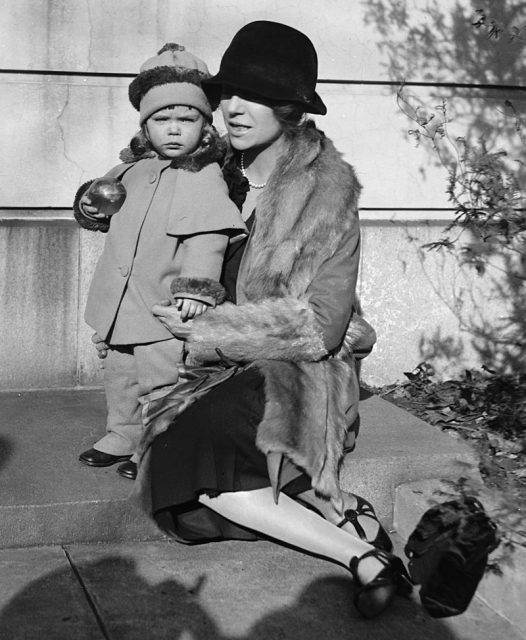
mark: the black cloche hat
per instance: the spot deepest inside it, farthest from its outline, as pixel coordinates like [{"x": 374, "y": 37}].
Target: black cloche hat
[{"x": 273, "y": 61}]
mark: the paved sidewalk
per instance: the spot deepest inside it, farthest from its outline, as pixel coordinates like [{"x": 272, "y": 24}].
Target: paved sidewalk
[
  {"x": 219, "y": 591},
  {"x": 77, "y": 561}
]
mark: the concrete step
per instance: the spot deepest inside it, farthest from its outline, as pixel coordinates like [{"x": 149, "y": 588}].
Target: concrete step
[
  {"x": 47, "y": 497},
  {"x": 505, "y": 593},
  {"x": 395, "y": 447}
]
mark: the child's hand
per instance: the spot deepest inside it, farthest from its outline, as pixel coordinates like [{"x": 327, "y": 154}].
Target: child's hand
[
  {"x": 189, "y": 308},
  {"x": 86, "y": 206},
  {"x": 100, "y": 345}
]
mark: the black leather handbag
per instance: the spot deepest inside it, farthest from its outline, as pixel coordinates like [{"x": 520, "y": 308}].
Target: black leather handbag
[{"x": 448, "y": 553}]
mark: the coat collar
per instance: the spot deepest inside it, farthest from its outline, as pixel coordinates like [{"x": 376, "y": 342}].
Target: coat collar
[{"x": 213, "y": 150}]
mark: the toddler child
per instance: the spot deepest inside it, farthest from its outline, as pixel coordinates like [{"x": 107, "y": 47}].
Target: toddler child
[{"x": 170, "y": 234}]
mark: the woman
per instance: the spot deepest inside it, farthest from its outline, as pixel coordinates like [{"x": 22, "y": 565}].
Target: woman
[{"x": 248, "y": 457}]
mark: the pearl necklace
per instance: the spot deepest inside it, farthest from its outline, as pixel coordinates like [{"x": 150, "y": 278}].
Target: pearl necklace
[{"x": 252, "y": 185}]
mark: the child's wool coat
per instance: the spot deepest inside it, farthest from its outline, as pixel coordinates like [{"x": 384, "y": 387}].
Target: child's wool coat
[{"x": 175, "y": 223}]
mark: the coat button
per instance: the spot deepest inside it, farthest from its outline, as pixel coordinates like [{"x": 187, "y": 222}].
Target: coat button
[
  {"x": 153, "y": 177},
  {"x": 124, "y": 271}
]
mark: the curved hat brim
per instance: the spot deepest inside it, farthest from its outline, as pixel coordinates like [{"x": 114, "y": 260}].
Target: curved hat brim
[{"x": 269, "y": 91}]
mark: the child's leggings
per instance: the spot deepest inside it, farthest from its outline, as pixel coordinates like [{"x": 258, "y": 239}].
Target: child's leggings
[{"x": 129, "y": 372}]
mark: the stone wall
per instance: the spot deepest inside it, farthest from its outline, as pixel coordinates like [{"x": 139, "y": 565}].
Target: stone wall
[{"x": 65, "y": 69}]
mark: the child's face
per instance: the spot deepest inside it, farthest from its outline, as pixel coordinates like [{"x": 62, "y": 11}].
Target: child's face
[{"x": 175, "y": 131}]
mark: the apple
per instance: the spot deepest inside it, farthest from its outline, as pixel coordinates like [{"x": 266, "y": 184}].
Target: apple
[{"x": 107, "y": 195}]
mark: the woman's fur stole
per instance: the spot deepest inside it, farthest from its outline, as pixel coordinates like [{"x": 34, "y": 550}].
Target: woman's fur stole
[{"x": 309, "y": 205}]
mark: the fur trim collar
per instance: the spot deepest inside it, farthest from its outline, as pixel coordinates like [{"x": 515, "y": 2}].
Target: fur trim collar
[
  {"x": 310, "y": 202},
  {"x": 212, "y": 149}
]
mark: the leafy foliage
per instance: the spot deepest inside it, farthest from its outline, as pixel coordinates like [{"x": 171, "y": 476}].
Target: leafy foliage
[
  {"x": 455, "y": 46},
  {"x": 496, "y": 28},
  {"x": 489, "y": 411},
  {"x": 495, "y": 401},
  {"x": 488, "y": 231},
  {"x": 485, "y": 186}
]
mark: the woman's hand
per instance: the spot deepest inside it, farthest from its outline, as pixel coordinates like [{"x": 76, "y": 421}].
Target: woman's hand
[
  {"x": 170, "y": 317},
  {"x": 100, "y": 345}
]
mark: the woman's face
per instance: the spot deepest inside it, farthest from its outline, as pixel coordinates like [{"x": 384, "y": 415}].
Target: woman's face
[{"x": 250, "y": 121}]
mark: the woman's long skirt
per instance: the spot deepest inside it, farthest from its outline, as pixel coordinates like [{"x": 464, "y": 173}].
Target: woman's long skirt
[{"x": 211, "y": 449}]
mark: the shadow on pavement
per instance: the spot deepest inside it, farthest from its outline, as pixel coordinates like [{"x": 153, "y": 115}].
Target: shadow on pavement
[
  {"x": 6, "y": 449},
  {"x": 108, "y": 599}
]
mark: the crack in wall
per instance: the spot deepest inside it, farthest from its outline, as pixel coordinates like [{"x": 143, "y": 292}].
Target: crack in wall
[
  {"x": 90, "y": 36},
  {"x": 62, "y": 134}
]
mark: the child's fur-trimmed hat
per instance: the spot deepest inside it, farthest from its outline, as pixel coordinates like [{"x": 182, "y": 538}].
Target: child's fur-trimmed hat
[{"x": 171, "y": 77}]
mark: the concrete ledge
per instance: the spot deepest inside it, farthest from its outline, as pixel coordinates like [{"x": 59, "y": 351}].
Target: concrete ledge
[
  {"x": 395, "y": 447},
  {"x": 505, "y": 594},
  {"x": 48, "y": 497},
  {"x": 111, "y": 520}
]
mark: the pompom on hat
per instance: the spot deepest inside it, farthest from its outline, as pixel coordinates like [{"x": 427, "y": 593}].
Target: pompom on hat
[
  {"x": 273, "y": 61},
  {"x": 171, "y": 77}
]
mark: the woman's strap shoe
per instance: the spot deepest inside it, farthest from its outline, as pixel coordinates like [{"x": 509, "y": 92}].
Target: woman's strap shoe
[
  {"x": 95, "y": 458},
  {"x": 365, "y": 508},
  {"x": 128, "y": 470},
  {"x": 375, "y": 596}
]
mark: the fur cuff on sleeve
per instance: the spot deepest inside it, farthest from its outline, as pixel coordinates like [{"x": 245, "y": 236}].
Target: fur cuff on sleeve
[
  {"x": 272, "y": 329},
  {"x": 203, "y": 289},
  {"x": 82, "y": 218}
]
